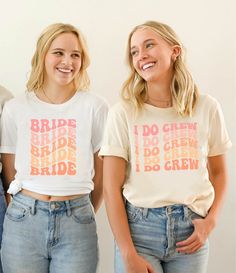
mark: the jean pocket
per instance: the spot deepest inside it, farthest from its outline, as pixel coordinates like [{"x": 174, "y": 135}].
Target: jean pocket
[
  {"x": 193, "y": 215},
  {"x": 17, "y": 213},
  {"x": 134, "y": 214},
  {"x": 83, "y": 214}
]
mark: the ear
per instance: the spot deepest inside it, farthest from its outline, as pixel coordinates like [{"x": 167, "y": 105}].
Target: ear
[{"x": 176, "y": 51}]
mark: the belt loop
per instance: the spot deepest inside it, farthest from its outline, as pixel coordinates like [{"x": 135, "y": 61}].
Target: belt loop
[
  {"x": 33, "y": 207},
  {"x": 68, "y": 208},
  {"x": 145, "y": 212},
  {"x": 186, "y": 212}
]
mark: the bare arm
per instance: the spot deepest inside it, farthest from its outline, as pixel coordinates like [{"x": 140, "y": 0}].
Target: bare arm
[
  {"x": 114, "y": 177},
  {"x": 203, "y": 227},
  {"x": 8, "y": 172},
  {"x": 96, "y": 195},
  {"x": 218, "y": 177}
]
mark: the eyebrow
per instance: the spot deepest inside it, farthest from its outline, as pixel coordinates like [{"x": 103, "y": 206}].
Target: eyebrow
[
  {"x": 61, "y": 49},
  {"x": 144, "y": 42}
]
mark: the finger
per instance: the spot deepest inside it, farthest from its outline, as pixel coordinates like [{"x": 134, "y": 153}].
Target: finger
[
  {"x": 150, "y": 268},
  {"x": 188, "y": 241},
  {"x": 194, "y": 249},
  {"x": 187, "y": 247},
  {"x": 190, "y": 248}
]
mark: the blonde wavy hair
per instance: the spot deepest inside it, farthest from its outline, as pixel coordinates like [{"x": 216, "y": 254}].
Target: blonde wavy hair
[
  {"x": 183, "y": 89},
  {"x": 45, "y": 40}
]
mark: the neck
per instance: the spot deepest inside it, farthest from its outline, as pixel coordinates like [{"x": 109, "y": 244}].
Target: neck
[
  {"x": 159, "y": 95},
  {"x": 55, "y": 94}
]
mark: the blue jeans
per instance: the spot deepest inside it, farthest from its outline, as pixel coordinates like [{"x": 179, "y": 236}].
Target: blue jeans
[
  {"x": 155, "y": 233},
  {"x": 3, "y": 207},
  {"x": 55, "y": 237}
]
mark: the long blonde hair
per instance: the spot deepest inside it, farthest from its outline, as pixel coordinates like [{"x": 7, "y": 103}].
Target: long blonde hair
[
  {"x": 36, "y": 78},
  {"x": 183, "y": 89}
]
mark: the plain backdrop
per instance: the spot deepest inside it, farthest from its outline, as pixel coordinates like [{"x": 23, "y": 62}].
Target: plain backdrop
[{"x": 207, "y": 28}]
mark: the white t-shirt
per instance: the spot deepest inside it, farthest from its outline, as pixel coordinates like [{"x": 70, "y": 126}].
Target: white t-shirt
[
  {"x": 4, "y": 96},
  {"x": 167, "y": 154},
  {"x": 54, "y": 144}
]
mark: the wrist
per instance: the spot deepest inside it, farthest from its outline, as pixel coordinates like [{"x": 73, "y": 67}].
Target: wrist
[
  {"x": 211, "y": 221},
  {"x": 128, "y": 252}
]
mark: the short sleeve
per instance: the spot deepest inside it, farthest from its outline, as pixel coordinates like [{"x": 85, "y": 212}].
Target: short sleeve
[
  {"x": 8, "y": 132},
  {"x": 99, "y": 122},
  {"x": 219, "y": 140},
  {"x": 116, "y": 137}
]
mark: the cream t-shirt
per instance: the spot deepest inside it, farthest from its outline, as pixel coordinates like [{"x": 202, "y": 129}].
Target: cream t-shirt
[{"x": 167, "y": 154}]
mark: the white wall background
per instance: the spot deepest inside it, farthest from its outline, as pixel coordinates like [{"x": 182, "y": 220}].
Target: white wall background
[{"x": 207, "y": 28}]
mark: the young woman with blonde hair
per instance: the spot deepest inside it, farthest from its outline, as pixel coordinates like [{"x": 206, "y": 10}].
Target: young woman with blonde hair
[
  {"x": 51, "y": 136},
  {"x": 164, "y": 163}
]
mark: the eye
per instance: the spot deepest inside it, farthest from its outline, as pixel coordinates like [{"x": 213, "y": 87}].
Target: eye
[
  {"x": 134, "y": 53},
  {"x": 76, "y": 55},
  {"x": 149, "y": 45},
  {"x": 58, "y": 53}
]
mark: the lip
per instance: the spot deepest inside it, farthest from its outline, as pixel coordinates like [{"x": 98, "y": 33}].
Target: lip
[
  {"x": 147, "y": 65},
  {"x": 64, "y": 70}
]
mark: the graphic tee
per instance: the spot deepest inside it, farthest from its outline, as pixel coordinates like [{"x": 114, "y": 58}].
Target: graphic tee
[
  {"x": 54, "y": 144},
  {"x": 4, "y": 96},
  {"x": 166, "y": 153}
]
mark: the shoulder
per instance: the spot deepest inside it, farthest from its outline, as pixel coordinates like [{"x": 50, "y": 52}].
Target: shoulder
[
  {"x": 207, "y": 103},
  {"x": 91, "y": 99},
  {"x": 121, "y": 112},
  {"x": 4, "y": 95},
  {"x": 121, "y": 108},
  {"x": 206, "y": 99},
  {"x": 17, "y": 101}
]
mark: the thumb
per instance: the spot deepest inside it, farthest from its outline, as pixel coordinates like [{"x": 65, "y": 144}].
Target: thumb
[{"x": 150, "y": 268}]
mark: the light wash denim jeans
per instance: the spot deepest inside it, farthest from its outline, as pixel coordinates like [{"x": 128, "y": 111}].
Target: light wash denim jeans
[
  {"x": 3, "y": 207},
  {"x": 55, "y": 237},
  {"x": 155, "y": 233}
]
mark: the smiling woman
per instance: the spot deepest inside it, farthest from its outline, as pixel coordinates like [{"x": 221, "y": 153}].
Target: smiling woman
[
  {"x": 62, "y": 64},
  {"x": 51, "y": 136},
  {"x": 164, "y": 164}
]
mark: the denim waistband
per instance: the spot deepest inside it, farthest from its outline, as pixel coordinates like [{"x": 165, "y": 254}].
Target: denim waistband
[
  {"x": 166, "y": 210},
  {"x": 56, "y": 206}
]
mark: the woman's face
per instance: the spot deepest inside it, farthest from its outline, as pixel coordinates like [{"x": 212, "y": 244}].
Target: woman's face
[
  {"x": 63, "y": 60},
  {"x": 152, "y": 56}
]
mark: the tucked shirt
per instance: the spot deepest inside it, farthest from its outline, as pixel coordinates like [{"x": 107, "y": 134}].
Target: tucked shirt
[{"x": 54, "y": 144}]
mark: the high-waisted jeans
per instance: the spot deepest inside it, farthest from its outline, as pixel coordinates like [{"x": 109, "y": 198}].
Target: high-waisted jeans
[
  {"x": 155, "y": 233},
  {"x": 3, "y": 206},
  {"x": 55, "y": 237}
]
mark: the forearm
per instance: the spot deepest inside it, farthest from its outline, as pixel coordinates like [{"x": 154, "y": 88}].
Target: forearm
[
  {"x": 218, "y": 178},
  {"x": 119, "y": 223},
  {"x": 97, "y": 196},
  {"x": 220, "y": 185},
  {"x": 8, "y": 173},
  {"x": 97, "y": 193},
  {"x": 114, "y": 177},
  {"x": 8, "y": 170}
]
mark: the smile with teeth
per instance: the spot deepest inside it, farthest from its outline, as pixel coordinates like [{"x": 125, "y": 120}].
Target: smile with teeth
[
  {"x": 146, "y": 66},
  {"x": 64, "y": 70}
]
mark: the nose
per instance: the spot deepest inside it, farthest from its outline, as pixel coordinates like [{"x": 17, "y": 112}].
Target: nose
[
  {"x": 67, "y": 60},
  {"x": 142, "y": 54}
]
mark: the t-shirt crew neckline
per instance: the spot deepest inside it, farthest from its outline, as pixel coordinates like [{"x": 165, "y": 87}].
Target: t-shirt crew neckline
[
  {"x": 156, "y": 109},
  {"x": 51, "y": 105}
]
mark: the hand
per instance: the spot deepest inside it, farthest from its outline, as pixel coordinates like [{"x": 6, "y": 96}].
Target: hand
[
  {"x": 202, "y": 229},
  {"x": 137, "y": 264}
]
